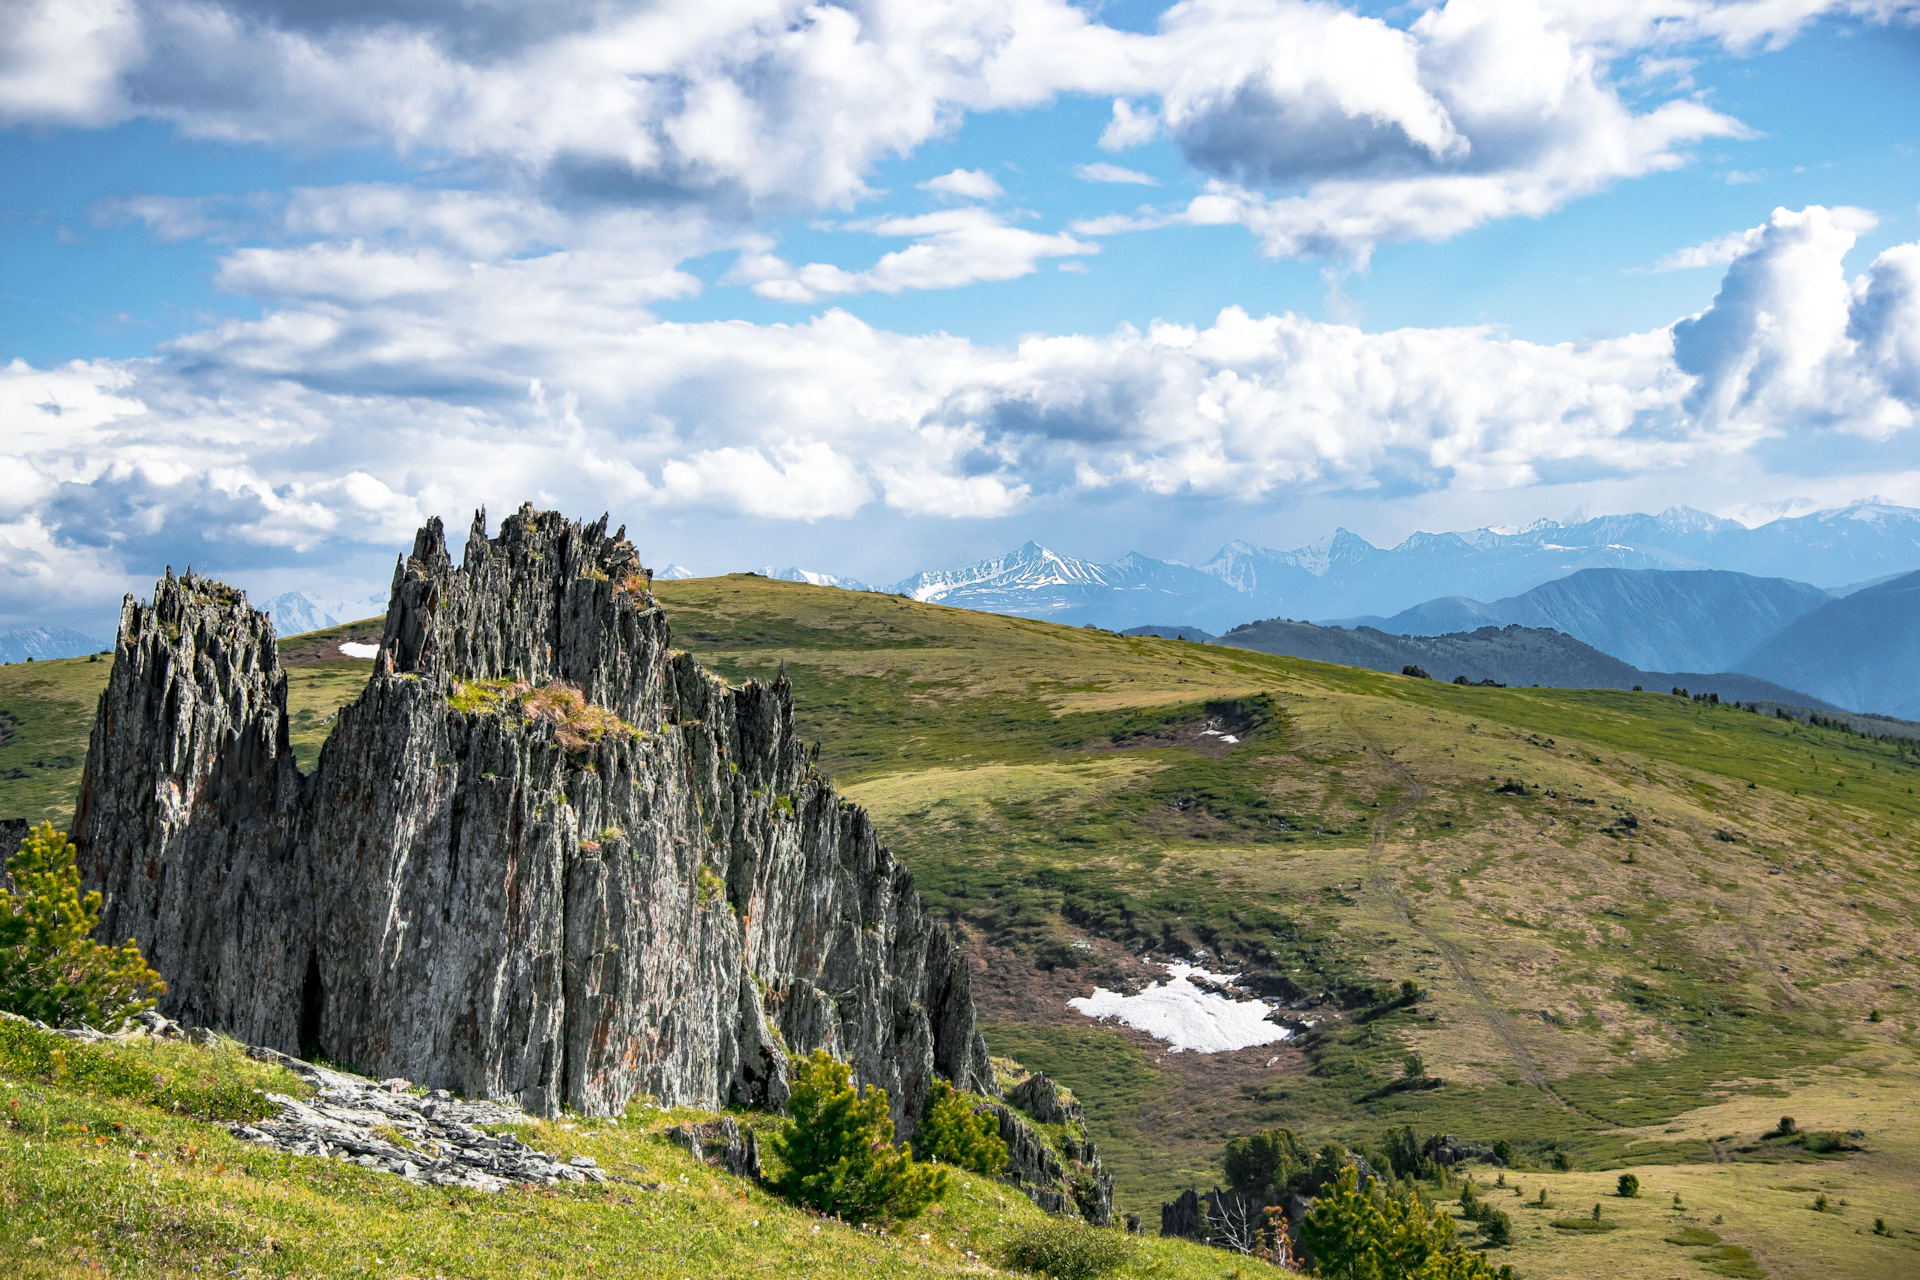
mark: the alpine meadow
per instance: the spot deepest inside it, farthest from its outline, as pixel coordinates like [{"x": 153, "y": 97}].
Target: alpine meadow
[{"x": 1616, "y": 931}]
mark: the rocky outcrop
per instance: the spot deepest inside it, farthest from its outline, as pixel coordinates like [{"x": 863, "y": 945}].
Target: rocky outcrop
[
  {"x": 1064, "y": 1174},
  {"x": 434, "y": 1140},
  {"x": 1235, "y": 1219},
  {"x": 720, "y": 1142},
  {"x": 543, "y": 857}
]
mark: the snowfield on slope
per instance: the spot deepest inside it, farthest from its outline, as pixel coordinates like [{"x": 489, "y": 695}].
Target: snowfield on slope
[{"x": 1187, "y": 1015}]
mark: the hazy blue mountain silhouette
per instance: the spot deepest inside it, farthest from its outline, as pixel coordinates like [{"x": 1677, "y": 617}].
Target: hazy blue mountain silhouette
[
  {"x": 1862, "y": 651},
  {"x": 1654, "y": 619},
  {"x": 1511, "y": 655},
  {"x": 1344, "y": 575}
]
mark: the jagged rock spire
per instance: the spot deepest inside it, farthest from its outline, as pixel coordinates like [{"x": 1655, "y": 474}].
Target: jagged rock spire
[{"x": 543, "y": 855}]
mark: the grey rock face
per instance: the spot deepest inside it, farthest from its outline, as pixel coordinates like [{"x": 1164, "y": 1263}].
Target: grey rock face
[
  {"x": 544, "y": 856},
  {"x": 1040, "y": 1098},
  {"x": 1070, "y": 1178},
  {"x": 720, "y": 1142}
]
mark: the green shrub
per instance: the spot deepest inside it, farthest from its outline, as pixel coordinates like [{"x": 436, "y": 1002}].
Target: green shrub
[
  {"x": 838, "y": 1153},
  {"x": 1271, "y": 1157},
  {"x": 49, "y": 968},
  {"x": 1068, "y": 1250},
  {"x": 1355, "y": 1236},
  {"x": 1628, "y": 1187},
  {"x": 1503, "y": 1151},
  {"x": 1402, "y": 1149},
  {"x": 1561, "y": 1162},
  {"x": 952, "y": 1132},
  {"x": 1496, "y": 1228}
]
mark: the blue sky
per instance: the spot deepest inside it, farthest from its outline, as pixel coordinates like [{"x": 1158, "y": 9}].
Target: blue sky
[{"x": 840, "y": 285}]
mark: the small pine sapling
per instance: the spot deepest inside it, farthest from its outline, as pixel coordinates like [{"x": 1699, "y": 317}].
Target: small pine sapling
[
  {"x": 952, "y": 1132},
  {"x": 838, "y": 1149},
  {"x": 50, "y": 968}
]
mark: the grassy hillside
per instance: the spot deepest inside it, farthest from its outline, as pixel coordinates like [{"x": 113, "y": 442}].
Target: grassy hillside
[
  {"x": 93, "y": 1179},
  {"x": 46, "y": 713},
  {"x": 1645, "y": 928}
]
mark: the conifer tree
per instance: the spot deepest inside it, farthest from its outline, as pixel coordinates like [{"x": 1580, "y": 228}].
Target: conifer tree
[
  {"x": 1357, "y": 1236},
  {"x": 49, "y": 968},
  {"x": 838, "y": 1152},
  {"x": 952, "y": 1132}
]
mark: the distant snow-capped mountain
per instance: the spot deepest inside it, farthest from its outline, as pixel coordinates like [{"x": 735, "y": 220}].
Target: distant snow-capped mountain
[
  {"x": 1343, "y": 575},
  {"x": 296, "y": 611},
  {"x": 791, "y": 574},
  {"x": 1034, "y": 582},
  {"x": 45, "y": 643}
]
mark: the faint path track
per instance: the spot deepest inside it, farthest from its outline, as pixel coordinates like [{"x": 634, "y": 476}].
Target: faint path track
[{"x": 1494, "y": 1015}]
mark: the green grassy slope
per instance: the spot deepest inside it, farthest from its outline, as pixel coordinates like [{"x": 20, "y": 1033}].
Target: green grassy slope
[
  {"x": 1645, "y": 927},
  {"x": 1595, "y": 986},
  {"x": 92, "y": 1179},
  {"x": 46, "y": 713}
]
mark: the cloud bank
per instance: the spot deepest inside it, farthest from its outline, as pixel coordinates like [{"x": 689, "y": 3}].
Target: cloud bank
[
  {"x": 1322, "y": 130},
  {"x": 384, "y": 386}
]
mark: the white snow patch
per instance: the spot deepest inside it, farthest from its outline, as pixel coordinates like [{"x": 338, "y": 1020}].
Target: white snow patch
[
  {"x": 1221, "y": 734},
  {"x": 1187, "y": 1016},
  {"x": 354, "y": 649}
]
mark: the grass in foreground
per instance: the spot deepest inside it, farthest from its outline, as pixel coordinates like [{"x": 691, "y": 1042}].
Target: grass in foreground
[{"x": 91, "y": 1179}]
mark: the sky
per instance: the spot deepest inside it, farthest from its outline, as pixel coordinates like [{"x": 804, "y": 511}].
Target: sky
[{"x": 893, "y": 285}]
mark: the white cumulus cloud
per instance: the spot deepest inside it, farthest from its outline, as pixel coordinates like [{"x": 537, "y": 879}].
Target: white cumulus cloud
[
  {"x": 951, "y": 248},
  {"x": 1104, "y": 172},
  {"x": 318, "y": 430},
  {"x": 966, "y": 184}
]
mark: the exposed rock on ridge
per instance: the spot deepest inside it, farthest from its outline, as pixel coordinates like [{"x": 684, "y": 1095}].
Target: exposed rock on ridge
[{"x": 544, "y": 856}]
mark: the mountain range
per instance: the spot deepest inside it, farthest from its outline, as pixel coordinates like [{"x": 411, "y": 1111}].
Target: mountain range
[
  {"x": 1510, "y": 655},
  {"x": 1655, "y": 619},
  {"x": 1682, "y": 591},
  {"x": 1861, "y": 651},
  {"x": 294, "y": 612},
  {"x": 1344, "y": 575},
  {"x": 43, "y": 643}
]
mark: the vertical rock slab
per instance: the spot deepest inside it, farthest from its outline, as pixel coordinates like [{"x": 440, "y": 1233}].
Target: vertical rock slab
[
  {"x": 189, "y": 820},
  {"x": 543, "y": 856}
]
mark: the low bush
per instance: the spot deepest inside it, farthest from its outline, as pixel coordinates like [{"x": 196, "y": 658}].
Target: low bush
[
  {"x": 952, "y": 1132},
  {"x": 1628, "y": 1187},
  {"x": 1496, "y": 1228},
  {"x": 1068, "y": 1250},
  {"x": 838, "y": 1153}
]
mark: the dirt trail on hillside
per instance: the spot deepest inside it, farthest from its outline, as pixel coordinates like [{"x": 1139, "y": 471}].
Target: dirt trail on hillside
[{"x": 1495, "y": 1017}]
